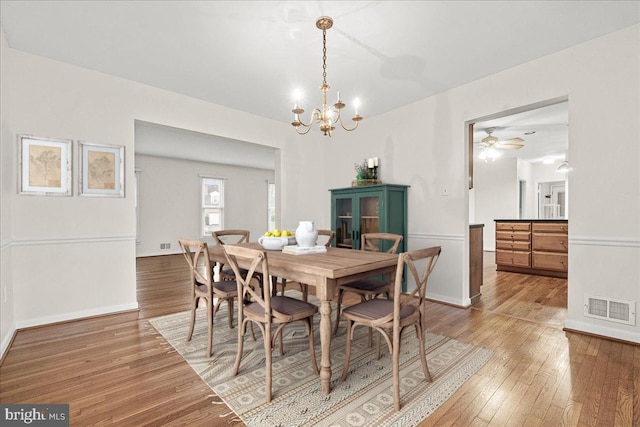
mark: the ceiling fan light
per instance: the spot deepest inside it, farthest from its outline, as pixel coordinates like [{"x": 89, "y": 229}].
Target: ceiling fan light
[
  {"x": 489, "y": 153},
  {"x": 492, "y": 153},
  {"x": 564, "y": 167}
]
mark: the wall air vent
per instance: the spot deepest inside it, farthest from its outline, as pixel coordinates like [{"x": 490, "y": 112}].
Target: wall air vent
[{"x": 614, "y": 310}]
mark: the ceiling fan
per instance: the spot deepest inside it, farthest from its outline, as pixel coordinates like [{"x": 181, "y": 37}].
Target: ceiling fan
[
  {"x": 490, "y": 143},
  {"x": 490, "y": 140}
]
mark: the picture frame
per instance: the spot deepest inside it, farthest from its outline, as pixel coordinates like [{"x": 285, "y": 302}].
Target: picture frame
[
  {"x": 44, "y": 166},
  {"x": 101, "y": 170}
]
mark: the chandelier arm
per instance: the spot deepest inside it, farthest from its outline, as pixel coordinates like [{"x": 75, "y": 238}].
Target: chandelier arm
[
  {"x": 346, "y": 128},
  {"x": 314, "y": 114},
  {"x": 303, "y": 133}
]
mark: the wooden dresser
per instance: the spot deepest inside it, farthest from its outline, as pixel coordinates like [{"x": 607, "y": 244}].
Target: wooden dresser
[{"x": 532, "y": 246}]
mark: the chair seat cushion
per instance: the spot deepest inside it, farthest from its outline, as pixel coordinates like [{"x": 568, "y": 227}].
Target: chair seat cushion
[
  {"x": 225, "y": 288},
  {"x": 284, "y": 308},
  {"x": 367, "y": 285},
  {"x": 376, "y": 309}
]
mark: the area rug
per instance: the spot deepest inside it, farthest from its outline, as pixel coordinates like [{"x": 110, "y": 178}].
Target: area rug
[{"x": 365, "y": 398}]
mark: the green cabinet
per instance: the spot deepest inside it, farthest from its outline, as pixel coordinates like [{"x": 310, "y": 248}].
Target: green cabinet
[{"x": 378, "y": 208}]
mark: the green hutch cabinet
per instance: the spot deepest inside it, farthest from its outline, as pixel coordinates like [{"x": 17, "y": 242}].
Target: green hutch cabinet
[{"x": 380, "y": 208}]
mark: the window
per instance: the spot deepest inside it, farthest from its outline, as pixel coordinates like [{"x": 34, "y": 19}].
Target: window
[{"x": 212, "y": 205}]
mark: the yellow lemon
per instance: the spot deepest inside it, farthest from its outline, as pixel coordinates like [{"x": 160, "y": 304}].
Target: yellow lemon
[{"x": 267, "y": 234}]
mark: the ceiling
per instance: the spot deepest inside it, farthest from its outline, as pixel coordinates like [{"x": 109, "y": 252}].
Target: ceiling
[{"x": 253, "y": 55}]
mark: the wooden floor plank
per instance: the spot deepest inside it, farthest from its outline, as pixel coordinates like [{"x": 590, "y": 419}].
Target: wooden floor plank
[{"x": 117, "y": 370}]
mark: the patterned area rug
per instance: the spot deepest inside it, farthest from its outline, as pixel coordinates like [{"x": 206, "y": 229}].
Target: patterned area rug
[{"x": 365, "y": 398}]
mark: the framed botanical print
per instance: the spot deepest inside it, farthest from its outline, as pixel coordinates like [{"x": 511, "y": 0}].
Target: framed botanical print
[
  {"x": 44, "y": 166},
  {"x": 101, "y": 170}
]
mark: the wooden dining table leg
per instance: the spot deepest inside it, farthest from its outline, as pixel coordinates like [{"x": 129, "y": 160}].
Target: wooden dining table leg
[
  {"x": 325, "y": 293},
  {"x": 325, "y": 345}
]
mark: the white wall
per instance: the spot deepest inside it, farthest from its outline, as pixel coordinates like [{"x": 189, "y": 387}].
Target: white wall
[
  {"x": 422, "y": 144},
  {"x": 7, "y": 189},
  {"x": 496, "y": 195},
  {"x": 169, "y": 200}
]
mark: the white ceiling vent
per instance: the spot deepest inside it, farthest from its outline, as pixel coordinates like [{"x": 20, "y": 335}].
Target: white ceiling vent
[{"x": 614, "y": 310}]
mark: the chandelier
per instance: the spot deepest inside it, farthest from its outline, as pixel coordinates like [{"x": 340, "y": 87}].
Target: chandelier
[{"x": 326, "y": 116}]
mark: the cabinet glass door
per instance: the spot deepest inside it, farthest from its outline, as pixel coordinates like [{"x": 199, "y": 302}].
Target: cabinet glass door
[
  {"x": 344, "y": 223},
  {"x": 369, "y": 214}
]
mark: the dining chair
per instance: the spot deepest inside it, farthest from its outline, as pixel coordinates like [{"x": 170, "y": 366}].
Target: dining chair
[
  {"x": 222, "y": 237},
  {"x": 327, "y": 236},
  {"x": 370, "y": 287},
  {"x": 391, "y": 317},
  {"x": 204, "y": 287},
  {"x": 265, "y": 310}
]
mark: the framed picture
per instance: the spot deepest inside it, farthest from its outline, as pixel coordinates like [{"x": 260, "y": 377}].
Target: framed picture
[
  {"x": 101, "y": 170},
  {"x": 44, "y": 166}
]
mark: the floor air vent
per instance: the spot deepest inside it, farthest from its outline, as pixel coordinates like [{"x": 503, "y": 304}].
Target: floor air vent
[{"x": 614, "y": 310}]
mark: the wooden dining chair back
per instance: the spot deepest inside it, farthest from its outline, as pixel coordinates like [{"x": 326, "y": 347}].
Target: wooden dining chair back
[
  {"x": 370, "y": 287},
  {"x": 264, "y": 309},
  {"x": 327, "y": 236},
  {"x": 203, "y": 287},
  {"x": 223, "y": 237},
  {"x": 391, "y": 317}
]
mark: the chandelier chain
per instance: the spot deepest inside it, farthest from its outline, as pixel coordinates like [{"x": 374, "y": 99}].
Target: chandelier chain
[{"x": 324, "y": 57}]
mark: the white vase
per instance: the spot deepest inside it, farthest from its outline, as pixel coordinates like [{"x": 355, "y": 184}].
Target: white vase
[{"x": 306, "y": 234}]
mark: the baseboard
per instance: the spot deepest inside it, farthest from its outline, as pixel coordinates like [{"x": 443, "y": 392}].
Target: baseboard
[
  {"x": 443, "y": 299},
  {"x": 603, "y": 332},
  {"x": 7, "y": 341},
  {"x": 76, "y": 315}
]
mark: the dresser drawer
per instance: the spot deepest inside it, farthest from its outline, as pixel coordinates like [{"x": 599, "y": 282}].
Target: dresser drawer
[
  {"x": 516, "y": 259},
  {"x": 550, "y": 242},
  {"x": 550, "y": 261},
  {"x": 513, "y": 235},
  {"x": 513, "y": 226},
  {"x": 512, "y": 245},
  {"x": 550, "y": 227}
]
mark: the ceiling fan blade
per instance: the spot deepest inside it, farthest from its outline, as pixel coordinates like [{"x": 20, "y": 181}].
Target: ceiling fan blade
[
  {"x": 512, "y": 140},
  {"x": 511, "y": 146}
]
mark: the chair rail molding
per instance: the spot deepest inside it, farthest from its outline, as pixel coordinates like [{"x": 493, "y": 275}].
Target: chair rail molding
[
  {"x": 604, "y": 241},
  {"x": 71, "y": 240},
  {"x": 423, "y": 236}
]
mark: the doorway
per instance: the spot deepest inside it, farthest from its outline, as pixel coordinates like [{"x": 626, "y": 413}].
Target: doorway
[
  {"x": 552, "y": 200},
  {"x": 514, "y": 184}
]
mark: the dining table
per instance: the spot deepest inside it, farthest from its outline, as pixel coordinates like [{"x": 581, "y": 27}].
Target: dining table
[{"x": 325, "y": 272}]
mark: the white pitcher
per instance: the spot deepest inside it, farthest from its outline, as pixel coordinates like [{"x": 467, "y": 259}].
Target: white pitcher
[{"x": 306, "y": 234}]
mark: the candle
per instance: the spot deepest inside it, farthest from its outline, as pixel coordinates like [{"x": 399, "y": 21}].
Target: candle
[
  {"x": 375, "y": 161},
  {"x": 370, "y": 163},
  {"x": 338, "y": 100}
]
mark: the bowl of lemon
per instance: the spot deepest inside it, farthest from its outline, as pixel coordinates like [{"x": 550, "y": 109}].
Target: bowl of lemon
[{"x": 275, "y": 239}]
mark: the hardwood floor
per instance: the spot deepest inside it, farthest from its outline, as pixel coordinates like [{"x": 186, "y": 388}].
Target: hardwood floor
[{"x": 117, "y": 370}]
